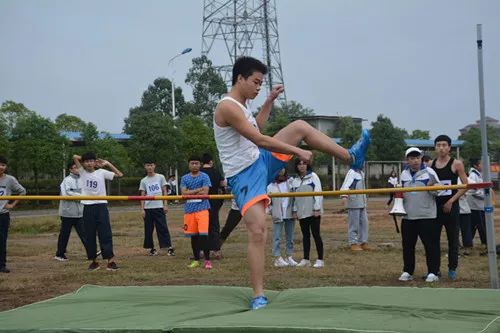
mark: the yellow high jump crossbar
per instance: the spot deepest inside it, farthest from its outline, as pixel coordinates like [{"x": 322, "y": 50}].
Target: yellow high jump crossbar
[{"x": 230, "y": 196}]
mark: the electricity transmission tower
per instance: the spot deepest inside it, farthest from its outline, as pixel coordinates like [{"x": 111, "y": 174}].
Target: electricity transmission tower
[{"x": 243, "y": 28}]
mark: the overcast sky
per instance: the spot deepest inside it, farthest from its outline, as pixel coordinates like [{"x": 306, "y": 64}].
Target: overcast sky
[{"x": 413, "y": 61}]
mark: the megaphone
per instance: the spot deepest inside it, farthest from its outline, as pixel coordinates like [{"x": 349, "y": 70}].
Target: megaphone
[{"x": 398, "y": 209}]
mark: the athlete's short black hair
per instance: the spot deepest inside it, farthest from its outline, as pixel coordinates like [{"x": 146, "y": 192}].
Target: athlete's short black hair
[
  {"x": 89, "y": 156},
  {"x": 70, "y": 164},
  {"x": 246, "y": 66},
  {"x": 206, "y": 158},
  {"x": 474, "y": 161},
  {"x": 3, "y": 160},
  {"x": 442, "y": 137},
  {"x": 194, "y": 158},
  {"x": 149, "y": 160}
]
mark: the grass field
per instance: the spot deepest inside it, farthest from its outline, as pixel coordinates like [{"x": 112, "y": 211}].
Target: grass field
[{"x": 36, "y": 276}]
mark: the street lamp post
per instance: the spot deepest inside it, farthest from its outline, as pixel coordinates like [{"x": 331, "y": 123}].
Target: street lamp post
[{"x": 186, "y": 50}]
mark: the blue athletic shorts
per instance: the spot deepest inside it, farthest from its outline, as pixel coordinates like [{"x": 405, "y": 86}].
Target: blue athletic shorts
[{"x": 250, "y": 185}]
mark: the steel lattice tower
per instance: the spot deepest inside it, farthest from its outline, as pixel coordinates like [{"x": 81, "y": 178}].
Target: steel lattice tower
[{"x": 243, "y": 28}]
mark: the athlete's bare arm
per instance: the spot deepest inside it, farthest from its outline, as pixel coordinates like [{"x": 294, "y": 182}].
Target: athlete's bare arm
[
  {"x": 458, "y": 168},
  {"x": 265, "y": 110},
  {"x": 229, "y": 114},
  {"x": 201, "y": 191},
  {"x": 76, "y": 160}
]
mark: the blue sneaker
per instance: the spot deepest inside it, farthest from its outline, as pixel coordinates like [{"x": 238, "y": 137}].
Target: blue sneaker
[
  {"x": 358, "y": 150},
  {"x": 452, "y": 275},
  {"x": 258, "y": 302}
]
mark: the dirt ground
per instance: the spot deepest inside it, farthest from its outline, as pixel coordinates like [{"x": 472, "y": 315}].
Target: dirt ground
[{"x": 36, "y": 276}]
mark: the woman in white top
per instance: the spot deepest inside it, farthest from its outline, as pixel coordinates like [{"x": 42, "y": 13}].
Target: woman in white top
[
  {"x": 308, "y": 211},
  {"x": 393, "y": 182},
  {"x": 281, "y": 212}
]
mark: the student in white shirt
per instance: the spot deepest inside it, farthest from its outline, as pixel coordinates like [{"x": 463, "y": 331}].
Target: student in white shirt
[
  {"x": 154, "y": 211},
  {"x": 95, "y": 212},
  {"x": 393, "y": 182}
]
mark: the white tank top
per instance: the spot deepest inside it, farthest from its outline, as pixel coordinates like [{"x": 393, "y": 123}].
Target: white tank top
[{"x": 235, "y": 151}]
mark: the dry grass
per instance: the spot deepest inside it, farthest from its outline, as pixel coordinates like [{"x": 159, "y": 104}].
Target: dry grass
[{"x": 36, "y": 276}]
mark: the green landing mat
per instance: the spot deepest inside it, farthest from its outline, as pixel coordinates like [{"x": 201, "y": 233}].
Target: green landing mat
[{"x": 225, "y": 309}]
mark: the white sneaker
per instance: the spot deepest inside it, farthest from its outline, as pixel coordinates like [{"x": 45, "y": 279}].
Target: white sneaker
[
  {"x": 280, "y": 262},
  {"x": 291, "y": 262},
  {"x": 319, "y": 264},
  {"x": 304, "y": 263},
  {"x": 431, "y": 277},
  {"x": 405, "y": 277}
]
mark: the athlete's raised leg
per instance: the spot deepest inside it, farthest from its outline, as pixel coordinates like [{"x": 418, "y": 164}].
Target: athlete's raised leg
[{"x": 300, "y": 130}]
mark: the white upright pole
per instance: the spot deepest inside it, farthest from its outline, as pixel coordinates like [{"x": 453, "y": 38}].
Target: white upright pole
[
  {"x": 173, "y": 118},
  {"x": 173, "y": 98},
  {"x": 334, "y": 174},
  {"x": 64, "y": 160},
  {"x": 187, "y": 50},
  {"x": 485, "y": 160}
]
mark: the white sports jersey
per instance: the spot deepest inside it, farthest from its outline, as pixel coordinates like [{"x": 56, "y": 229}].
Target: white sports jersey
[
  {"x": 235, "y": 151},
  {"x": 153, "y": 186},
  {"x": 94, "y": 183}
]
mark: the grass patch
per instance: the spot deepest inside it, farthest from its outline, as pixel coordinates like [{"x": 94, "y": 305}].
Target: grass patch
[{"x": 35, "y": 226}]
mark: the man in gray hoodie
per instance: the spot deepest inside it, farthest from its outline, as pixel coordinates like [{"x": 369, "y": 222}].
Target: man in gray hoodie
[
  {"x": 8, "y": 186},
  {"x": 420, "y": 220},
  {"x": 70, "y": 211}
]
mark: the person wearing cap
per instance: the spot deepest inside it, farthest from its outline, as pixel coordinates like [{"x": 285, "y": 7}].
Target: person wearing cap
[
  {"x": 449, "y": 170},
  {"x": 420, "y": 219}
]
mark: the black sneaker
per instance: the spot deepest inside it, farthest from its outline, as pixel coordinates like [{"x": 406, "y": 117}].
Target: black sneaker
[
  {"x": 4, "y": 270},
  {"x": 171, "y": 251},
  {"x": 112, "y": 266},
  {"x": 152, "y": 252},
  {"x": 94, "y": 265}
]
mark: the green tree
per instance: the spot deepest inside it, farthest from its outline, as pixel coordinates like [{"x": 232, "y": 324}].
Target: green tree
[
  {"x": 419, "y": 134},
  {"x": 151, "y": 126},
  {"x": 69, "y": 123},
  {"x": 388, "y": 142},
  {"x": 197, "y": 138},
  {"x": 153, "y": 135},
  {"x": 4, "y": 139},
  {"x": 158, "y": 97},
  {"x": 110, "y": 149},
  {"x": 295, "y": 110},
  {"x": 89, "y": 134},
  {"x": 347, "y": 130},
  {"x": 472, "y": 144},
  {"x": 208, "y": 88},
  {"x": 11, "y": 112},
  {"x": 37, "y": 147},
  {"x": 283, "y": 115}
]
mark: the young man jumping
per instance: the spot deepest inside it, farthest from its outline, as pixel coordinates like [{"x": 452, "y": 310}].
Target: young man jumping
[{"x": 252, "y": 160}]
